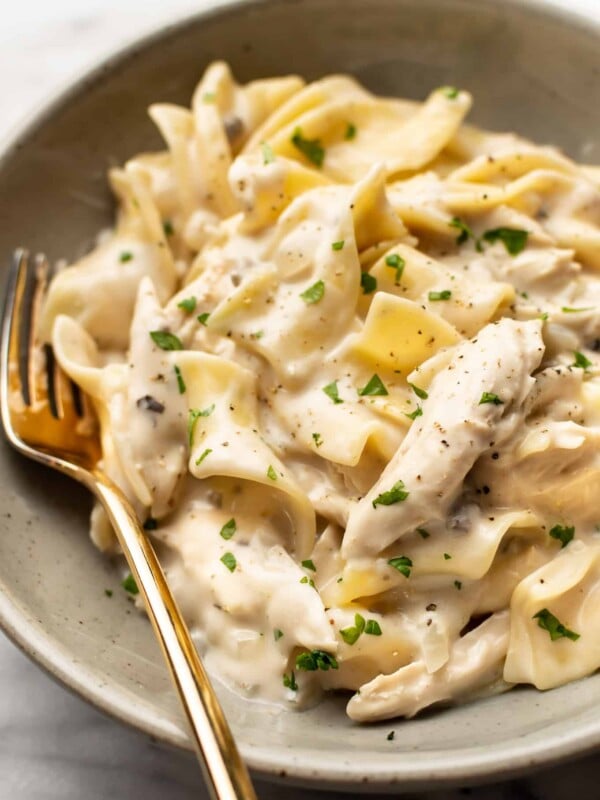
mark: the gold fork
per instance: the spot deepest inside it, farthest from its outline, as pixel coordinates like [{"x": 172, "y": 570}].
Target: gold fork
[{"x": 46, "y": 419}]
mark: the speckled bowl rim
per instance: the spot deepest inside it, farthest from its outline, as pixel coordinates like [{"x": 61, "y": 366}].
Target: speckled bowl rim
[{"x": 472, "y": 766}]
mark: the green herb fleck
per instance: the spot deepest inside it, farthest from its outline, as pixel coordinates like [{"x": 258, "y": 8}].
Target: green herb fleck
[
  {"x": 373, "y": 628},
  {"x": 228, "y": 529},
  {"x": 351, "y": 635},
  {"x": 445, "y": 294},
  {"x": 168, "y": 227},
  {"x": 569, "y": 310},
  {"x": 125, "y": 256},
  {"x": 423, "y": 533},
  {"x": 581, "y": 361},
  {"x": 267, "y": 153},
  {"x": 395, "y": 495},
  {"x": 338, "y": 245},
  {"x": 180, "y": 382},
  {"x": 308, "y": 580},
  {"x": 465, "y": 231},
  {"x": 350, "y": 131},
  {"x": 564, "y": 534},
  {"x": 257, "y": 335},
  {"x": 130, "y": 585},
  {"x": 451, "y": 92},
  {"x": 309, "y": 564},
  {"x": 271, "y": 474},
  {"x": 108, "y": 592},
  {"x": 314, "y": 293},
  {"x": 289, "y": 681},
  {"x": 490, "y": 397},
  {"x": 402, "y": 563},
  {"x": 193, "y": 417},
  {"x": 555, "y": 628},
  {"x": 311, "y": 148},
  {"x": 513, "y": 239},
  {"x": 203, "y": 318},
  {"x": 189, "y": 304},
  {"x": 390, "y": 736},
  {"x": 277, "y": 634},
  {"x": 313, "y": 660},
  {"x": 229, "y": 560},
  {"x": 368, "y": 282},
  {"x": 421, "y": 393},
  {"x": 331, "y": 390},
  {"x": 418, "y": 412},
  {"x": 374, "y": 388},
  {"x": 166, "y": 340},
  {"x": 447, "y": 556},
  {"x": 317, "y": 439},
  {"x": 398, "y": 263},
  {"x": 201, "y": 458}
]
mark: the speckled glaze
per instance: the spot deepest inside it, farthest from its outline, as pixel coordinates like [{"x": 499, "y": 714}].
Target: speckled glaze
[{"x": 531, "y": 71}]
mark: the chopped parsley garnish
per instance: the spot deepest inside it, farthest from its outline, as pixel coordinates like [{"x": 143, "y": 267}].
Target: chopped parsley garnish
[
  {"x": 351, "y": 635},
  {"x": 201, "y": 458},
  {"x": 130, "y": 585},
  {"x": 267, "y": 153},
  {"x": 490, "y": 397},
  {"x": 317, "y": 439},
  {"x": 168, "y": 227},
  {"x": 203, "y": 318},
  {"x": 311, "y": 148},
  {"x": 421, "y": 393},
  {"x": 108, "y": 592},
  {"x": 350, "y": 131},
  {"x": 125, "y": 256},
  {"x": 150, "y": 524},
  {"x": 423, "y": 533},
  {"x": 458, "y": 585},
  {"x": 338, "y": 245},
  {"x": 445, "y": 294},
  {"x": 277, "y": 634},
  {"x": 180, "y": 382},
  {"x": 368, "y": 282},
  {"x": 395, "y": 495},
  {"x": 313, "y": 660},
  {"x": 447, "y": 556},
  {"x": 308, "y": 563},
  {"x": 308, "y": 580},
  {"x": 513, "y": 239},
  {"x": 465, "y": 231},
  {"x": 271, "y": 474},
  {"x": 374, "y": 388},
  {"x": 194, "y": 416},
  {"x": 228, "y": 529},
  {"x": 189, "y": 304},
  {"x": 289, "y": 681},
  {"x": 418, "y": 412},
  {"x": 555, "y": 628},
  {"x": 581, "y": 361},
  {"x": 229, "y": 560},
  {"x": 390, "y": 736},
  {"x": 398, "y": 263},
  {"x": 166, "y": 340},
  {"x": 257, "y": 335},
  {"x": 451, "y": 92},
  {"x": 569, "y": 310},
  {"x": 314, "y": 293},
  {"x": 331, "y": 390},
  {"x": 402, "y": 563},
  {"x": 564, "y": 534},
  {"x": 373, "y": 628}
]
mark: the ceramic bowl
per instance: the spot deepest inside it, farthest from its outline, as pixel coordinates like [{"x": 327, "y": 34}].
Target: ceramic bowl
[{"x": 532, "y": 70}]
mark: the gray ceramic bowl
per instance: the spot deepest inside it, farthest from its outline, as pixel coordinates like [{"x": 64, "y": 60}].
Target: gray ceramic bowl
[{"x": 531, "y": 70}]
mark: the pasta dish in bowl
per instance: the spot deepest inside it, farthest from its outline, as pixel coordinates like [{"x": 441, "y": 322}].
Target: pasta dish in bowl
[{"x": 343, "y": 352}]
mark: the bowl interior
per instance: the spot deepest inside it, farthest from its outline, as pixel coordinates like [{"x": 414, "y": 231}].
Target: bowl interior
[{"x": 529, "y": 71}]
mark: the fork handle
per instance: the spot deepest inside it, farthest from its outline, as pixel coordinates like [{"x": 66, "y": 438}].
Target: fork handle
[{"x": 224, "y": 771}]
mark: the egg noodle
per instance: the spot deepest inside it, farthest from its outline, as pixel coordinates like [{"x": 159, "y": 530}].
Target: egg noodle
[{"x": 343, "y": 353}]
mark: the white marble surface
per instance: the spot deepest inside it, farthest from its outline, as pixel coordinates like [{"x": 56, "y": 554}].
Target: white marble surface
[{"x": 52, "y": 745}]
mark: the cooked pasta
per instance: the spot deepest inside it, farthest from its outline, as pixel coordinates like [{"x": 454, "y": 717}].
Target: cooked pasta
[{"x": 343, "y": 353}]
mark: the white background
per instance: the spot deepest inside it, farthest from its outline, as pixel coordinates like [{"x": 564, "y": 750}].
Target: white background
[{"x": 52, "y": 745}]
